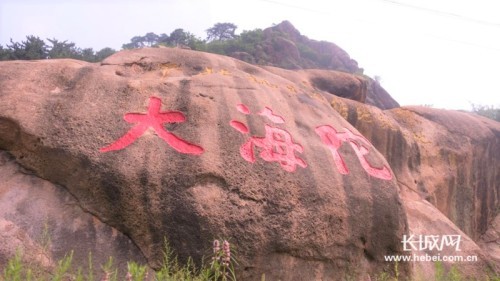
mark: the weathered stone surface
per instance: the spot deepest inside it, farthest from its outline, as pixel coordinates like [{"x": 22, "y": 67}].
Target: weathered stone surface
[
  {"x": 448, "y": 158},
  {"x": 44, "y": 222},
  {"x": 337, "y": 83},
  {"x": 472, "y": 262},
  {"x": 378, "y": 96},
  {"x": 295, "y": 218},
  {"x": 490, "y": 240},
  {"x": 341, "y": 84}
]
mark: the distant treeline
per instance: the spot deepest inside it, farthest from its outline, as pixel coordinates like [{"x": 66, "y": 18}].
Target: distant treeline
[{"x": 35, "y": 48}]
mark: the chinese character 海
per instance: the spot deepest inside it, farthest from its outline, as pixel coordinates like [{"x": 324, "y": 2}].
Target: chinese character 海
[{"x": 276, "y": 146}]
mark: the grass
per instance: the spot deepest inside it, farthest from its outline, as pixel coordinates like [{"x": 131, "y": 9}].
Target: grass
[{"x": 220, "y": 267}]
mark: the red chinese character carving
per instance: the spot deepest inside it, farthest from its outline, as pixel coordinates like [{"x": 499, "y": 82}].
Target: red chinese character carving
[
  {"x": 334, "y": 140},
  {"x": 240, "y": 127},
  {"x": 243, "y": 108},
  {"x": 267, "y": 112},
  {"x": 277, "y": 145},
  {"x": 154, "y": 119}
]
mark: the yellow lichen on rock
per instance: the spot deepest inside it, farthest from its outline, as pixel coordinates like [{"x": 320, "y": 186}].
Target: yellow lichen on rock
[
  {"x": 166, "y": 67},
  {"x": 341, "y": 108},
  {"x": 208, "y": 70},
  {"x": 261, "y": 81}
]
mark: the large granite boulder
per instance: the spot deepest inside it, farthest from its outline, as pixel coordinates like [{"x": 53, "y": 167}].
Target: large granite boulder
[
  {"x": 446, "y": 158},
  {"x": 194, "y": 146}
]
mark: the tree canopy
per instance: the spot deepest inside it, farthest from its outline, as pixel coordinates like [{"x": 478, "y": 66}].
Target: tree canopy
[
  {"x": 178, "y": 37},
  {"x": 221, "y": 31},
  {"x": 221, "y": 39},
  {"x": 35, "y": 48}
]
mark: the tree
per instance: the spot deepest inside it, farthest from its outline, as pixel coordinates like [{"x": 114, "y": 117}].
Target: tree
[
  {"x": 63, "y": 50},
  {"x": 163, "y": 39},
  {"x": 148, "y": 40},
  {"x": 104, "y": 53},
  {"x": 4, "y": 53},
  {"x": 221, "y": 31},
  {"x": 151, "y": 39},
  {"x": 32, "y": 49},
  {"x": 135, "y": 43},
  {"x": 88, "y": 54},
  {"x": 179, "y": 37}
]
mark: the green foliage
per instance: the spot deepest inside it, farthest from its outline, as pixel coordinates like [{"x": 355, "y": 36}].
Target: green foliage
[
  {"x": 14, "y": 269},
  {"x": 248, "y": 42},
  {"x": 4, "y": 53},
  {"x": 32, "y": 49},
  {"x": 79, "y": 275},
  {"x": 384, "y": 276},
  {"x": 45, "y": 239},
  {"x": 104, "y": 53},
  {"x": 63, "y": 267},
  {"x": 178, "y": 37},
  {"x": 488, "y": 111},
  {"x": 439, "y": 269},
  {"x": 252, "y": 36},
  {"x": 90, "y": 276},
  {"x": 62, "y": 49},
  {"x": 35, "y": 48},
  {"x": 110, "y": 273},
  {"x": 221, "y": 40},
  {"x": 136, "y": 272},
  {"x": 88, "y": 54},
  {"x": 135, "y": 42},
  {"x": 220, "y": 268},
  {"x": 454, "y": 274},
  {"x": 221, "y": 31}
]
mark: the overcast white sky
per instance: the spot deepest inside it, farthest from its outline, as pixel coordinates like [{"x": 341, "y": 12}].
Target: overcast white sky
[{"x": 444, "y": 53}]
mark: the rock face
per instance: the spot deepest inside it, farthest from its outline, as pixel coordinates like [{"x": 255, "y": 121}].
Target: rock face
[
  {"x": 45, "y": 222},
  {"x": 491, "y": 239},
  {"x": 350, "y": 86},
  {"x": 378, "y": 96},
  {"x": 448, "y": 158},
  {"x": 193, "y": 146}
]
